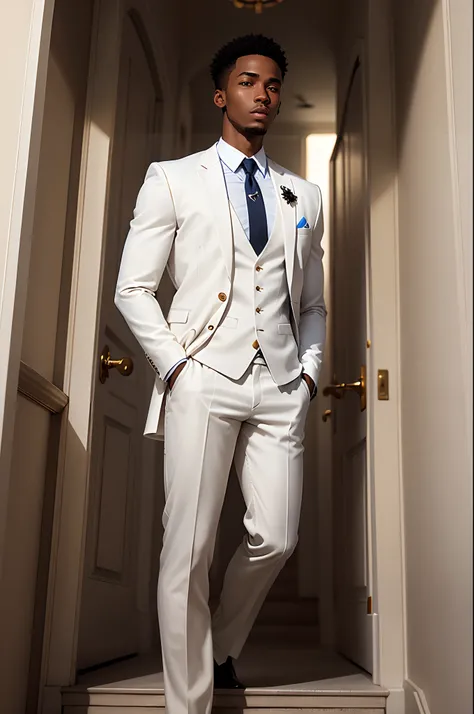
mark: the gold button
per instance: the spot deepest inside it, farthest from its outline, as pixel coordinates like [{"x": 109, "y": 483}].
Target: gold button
[
  {"x": 222, "y": 297},
  {"x": 255, "y": 345},
  {"x": 210, "y": 327},
  {"x": 259, "y": 288},
  {"x": 259, "y": 268},
  {"x": 259, "y": 309}
]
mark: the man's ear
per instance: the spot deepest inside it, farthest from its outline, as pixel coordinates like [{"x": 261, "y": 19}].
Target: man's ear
[{"x": 219, "y": 98}]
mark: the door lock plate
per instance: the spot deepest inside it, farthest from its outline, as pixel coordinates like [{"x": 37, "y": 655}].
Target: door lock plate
[{"x": 382, "y": 384}]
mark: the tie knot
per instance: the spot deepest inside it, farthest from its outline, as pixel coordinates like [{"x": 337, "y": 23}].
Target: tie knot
[{"x": 250, "y": 166}]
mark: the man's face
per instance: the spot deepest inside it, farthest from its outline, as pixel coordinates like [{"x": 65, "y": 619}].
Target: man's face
[{"x": 252, "y": 94}]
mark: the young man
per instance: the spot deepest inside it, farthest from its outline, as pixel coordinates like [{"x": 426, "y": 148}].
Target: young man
[{"x": 237, "y": 361}]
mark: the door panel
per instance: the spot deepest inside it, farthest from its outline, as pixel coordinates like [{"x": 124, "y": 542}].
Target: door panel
[
  {"x": 349, "y": 329},
  {"x": 109, "y": 624}
]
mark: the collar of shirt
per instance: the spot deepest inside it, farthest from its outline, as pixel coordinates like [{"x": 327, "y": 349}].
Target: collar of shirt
[{"x": 233, "y": 158}]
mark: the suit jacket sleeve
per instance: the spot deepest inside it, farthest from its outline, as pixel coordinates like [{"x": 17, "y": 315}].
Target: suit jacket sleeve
[
  {"x": 312, "y": 327},
  {"x": 145, "y": 255}
]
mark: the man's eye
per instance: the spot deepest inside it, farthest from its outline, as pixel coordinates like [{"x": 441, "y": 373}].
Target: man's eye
[
  {"x": 274, "y": 89},
  {"x": 245, "y": 82}
]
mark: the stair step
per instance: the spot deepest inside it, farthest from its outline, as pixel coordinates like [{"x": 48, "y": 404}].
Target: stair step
[
  {"x": 302, "y": 611},
  {"x": 252, "y": 701},
  {"x": 289, "y": 635},
  {"x": 281, "y": 680}
]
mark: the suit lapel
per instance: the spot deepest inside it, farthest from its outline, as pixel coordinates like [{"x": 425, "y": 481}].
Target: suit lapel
[
  {"x": 281, "y": 178},
  {"x": 210, "y": 172}
]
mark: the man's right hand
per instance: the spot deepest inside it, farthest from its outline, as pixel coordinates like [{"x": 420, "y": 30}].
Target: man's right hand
[{"x": 176, "y": 374}]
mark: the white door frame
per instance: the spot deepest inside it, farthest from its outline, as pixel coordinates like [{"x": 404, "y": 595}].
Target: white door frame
[
  {"x": 70, "y": 517},
  {"x": 385, "y": 464},
  {"x": 386, "y": 542}
]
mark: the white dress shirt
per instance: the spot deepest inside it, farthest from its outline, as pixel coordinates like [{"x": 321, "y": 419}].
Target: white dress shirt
[{"x": 234, "y": 176}]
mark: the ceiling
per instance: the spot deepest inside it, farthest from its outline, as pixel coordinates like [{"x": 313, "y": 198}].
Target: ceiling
[{"x": 304, "y": 28}]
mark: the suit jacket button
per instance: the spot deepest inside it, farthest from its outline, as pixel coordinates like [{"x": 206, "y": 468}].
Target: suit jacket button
[
  {"x": 255, "y": 345},
  {"x": 210, "y": 327},
  {"x": 222, "y": 297}
]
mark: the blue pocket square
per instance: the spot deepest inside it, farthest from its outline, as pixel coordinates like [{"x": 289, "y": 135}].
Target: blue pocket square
[{"x": 303, "y": 223}]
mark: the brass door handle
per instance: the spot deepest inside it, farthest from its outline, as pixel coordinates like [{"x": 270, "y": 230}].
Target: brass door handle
[
  {"x": 124, "y": 366},
  {"x": 338, "y": 390},
  {"x": 326, "y": 415}
]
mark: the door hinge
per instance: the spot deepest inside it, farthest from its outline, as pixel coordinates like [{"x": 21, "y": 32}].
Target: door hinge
[{"x": 369, "y": 605}]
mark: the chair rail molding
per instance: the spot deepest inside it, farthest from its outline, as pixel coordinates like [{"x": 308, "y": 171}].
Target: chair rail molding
[{"x": 40, "y": 390}]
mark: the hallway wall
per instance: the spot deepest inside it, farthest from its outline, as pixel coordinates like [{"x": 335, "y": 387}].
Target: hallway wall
[
  {"x": 433, "y": 45},
  {"x": 43, "y": 346}
]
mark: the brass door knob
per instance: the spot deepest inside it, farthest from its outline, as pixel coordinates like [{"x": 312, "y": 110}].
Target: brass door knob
[
  {"x": 326, "y": 415},
  {"x": 338, "y": 390},
  {"x": 124, "y": 366}
]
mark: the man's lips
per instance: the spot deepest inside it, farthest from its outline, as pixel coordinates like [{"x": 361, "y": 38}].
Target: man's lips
[{"x": 262, "y": 111}]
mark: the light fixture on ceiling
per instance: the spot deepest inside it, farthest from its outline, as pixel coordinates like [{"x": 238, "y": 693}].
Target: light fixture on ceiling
[
  {"x": 257, "y": 5},
  {"x": 303, "y": 102}
]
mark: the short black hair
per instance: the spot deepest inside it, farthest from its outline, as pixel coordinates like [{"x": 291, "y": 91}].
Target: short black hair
[{"x": 227, "y": 56}]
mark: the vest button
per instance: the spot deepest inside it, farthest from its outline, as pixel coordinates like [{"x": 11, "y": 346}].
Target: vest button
[
  {"x": 259, "y": 288},
  {"x": 258, "y": 268},
  {"x": 255, "y": 345},
  {"x": 222, "y": 297},
  {"x": 259, "y": 309},
  {"x": 210, "y": 327}
]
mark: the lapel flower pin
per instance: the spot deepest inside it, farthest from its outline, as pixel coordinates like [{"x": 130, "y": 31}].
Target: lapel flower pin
[{"x": 288, "y": 195}]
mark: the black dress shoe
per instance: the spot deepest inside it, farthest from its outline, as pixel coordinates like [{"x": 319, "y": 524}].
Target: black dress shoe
[{"x": 225, "y": 676}]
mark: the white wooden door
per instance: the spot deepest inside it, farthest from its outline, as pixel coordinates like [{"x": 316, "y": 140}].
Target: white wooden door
[
  {"x": 349, "y": 235},
  {"x": 109, "y": 627}
]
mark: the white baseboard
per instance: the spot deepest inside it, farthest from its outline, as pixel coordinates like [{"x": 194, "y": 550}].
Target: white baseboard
[
  {"x": 415, "y": 700},
  {"x": 396, "y": 702}
]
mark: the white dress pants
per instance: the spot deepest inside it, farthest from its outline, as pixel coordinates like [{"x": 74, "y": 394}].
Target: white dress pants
[{"x": 210, "y": 420}]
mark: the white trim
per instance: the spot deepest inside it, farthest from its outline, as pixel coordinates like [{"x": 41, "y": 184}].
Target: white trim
[
  {"x": 396, "y": 702},
  {"x": 385, "y": 349},
  {"x": 462, "y": 261},
  {"x": 415, "y": 700}
]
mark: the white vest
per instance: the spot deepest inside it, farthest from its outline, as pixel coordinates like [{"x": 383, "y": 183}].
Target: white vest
[{"x": 258, "y": 312}]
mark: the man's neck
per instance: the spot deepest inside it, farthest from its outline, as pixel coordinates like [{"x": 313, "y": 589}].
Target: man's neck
[{"x": 248, "y": 145}]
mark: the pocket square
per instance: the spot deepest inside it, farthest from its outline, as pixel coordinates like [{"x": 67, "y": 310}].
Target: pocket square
[{"x": 303, "y": 223}]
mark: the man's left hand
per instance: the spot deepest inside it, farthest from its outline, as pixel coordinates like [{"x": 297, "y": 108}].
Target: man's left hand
[{"x": 310, "y": 383}]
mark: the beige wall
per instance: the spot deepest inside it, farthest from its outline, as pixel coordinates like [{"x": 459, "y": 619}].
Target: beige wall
[
  {"x": 22, "y": 70},
  {"x": 43, "y": 344},
  {"x": 434, "y": 94}
]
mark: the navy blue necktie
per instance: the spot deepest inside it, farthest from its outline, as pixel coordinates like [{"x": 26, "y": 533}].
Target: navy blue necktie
[{"x": 256, "y": 207}]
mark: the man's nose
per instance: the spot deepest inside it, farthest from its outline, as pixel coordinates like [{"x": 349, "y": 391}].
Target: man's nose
[{"x": 262, "y": 96}]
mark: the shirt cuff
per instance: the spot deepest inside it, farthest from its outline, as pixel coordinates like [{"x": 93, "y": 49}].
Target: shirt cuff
[{"x": 170, "y": 371}]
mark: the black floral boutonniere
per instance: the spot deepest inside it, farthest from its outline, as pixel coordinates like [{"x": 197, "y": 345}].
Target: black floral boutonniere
[{"x": 288, "y": 195}]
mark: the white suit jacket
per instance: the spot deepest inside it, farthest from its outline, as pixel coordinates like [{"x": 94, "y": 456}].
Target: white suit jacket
[{"x": 182, "y": 222}]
